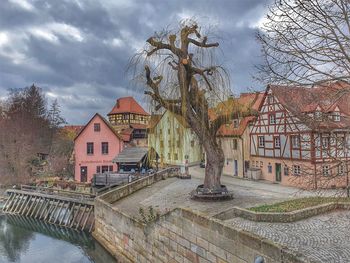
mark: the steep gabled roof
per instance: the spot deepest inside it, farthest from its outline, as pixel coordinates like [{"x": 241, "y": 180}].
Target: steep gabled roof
[
  {"x": 153, "y": 121},
  {"x": 245, "y": 101},
  {"x": 327, "y": 97},
  {"x": 105, "y": 121},
  {"x": 127, "y": 105}
]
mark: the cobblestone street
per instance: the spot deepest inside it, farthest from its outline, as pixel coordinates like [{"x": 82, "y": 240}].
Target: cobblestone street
[{"x": 324, "y": 238}]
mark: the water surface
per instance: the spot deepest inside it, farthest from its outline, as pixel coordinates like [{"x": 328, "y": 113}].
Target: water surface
[{"x": 25, "y": 240}]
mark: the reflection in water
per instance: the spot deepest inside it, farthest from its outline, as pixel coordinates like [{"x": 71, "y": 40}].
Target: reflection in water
[{"x": 23, "y": 239}]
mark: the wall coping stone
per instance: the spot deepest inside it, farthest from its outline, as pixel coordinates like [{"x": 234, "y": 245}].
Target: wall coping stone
[{"x": 281, "y": 217}]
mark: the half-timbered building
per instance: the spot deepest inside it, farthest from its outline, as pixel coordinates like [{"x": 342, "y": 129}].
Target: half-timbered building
[
  {"x": 130, "y": 120},
  {"x": 300, "y": 135}
]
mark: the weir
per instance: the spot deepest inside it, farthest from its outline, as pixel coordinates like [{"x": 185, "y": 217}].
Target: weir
[{"x": 58, "y": 207}]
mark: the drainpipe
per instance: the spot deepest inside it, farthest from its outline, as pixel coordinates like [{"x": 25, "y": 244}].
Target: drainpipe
[{"x": 243, "y": 168}]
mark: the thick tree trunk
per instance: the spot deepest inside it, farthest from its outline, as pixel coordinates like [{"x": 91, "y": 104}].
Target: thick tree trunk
[{"x": 214, "y": 166}]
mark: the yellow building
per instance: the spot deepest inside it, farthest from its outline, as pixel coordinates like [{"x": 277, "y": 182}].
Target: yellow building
[{"x": 173, "y": 140}]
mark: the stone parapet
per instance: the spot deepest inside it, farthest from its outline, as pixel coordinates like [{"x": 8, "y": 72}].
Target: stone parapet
[{"x": 181, "y": 235}]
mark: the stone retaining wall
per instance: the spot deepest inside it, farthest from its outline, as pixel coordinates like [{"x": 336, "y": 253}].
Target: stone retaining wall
[
  {"x": 281, "y": 217},
  {"x": 181, "y": 235}
]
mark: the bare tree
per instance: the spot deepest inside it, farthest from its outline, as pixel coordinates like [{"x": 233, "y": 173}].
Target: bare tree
[
  {"x": 183, "y": 77},
  {"x": 306, "y": 42}
]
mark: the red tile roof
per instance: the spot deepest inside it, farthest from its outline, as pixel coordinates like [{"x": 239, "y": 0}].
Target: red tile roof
[
  {"x": 127, "y": 105},
  {"x": 302, "y": 100},
  {"x": 245, "y": 100}
]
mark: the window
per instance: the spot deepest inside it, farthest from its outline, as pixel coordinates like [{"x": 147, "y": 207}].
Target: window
[
  {"x": 296, "y": 170},
  {"x": 295, "y": 141},
  {"x": 192, "y": 143},
  {"x": 325, "y": 170},
  {"x": 261, "y": 140},
  {"x": 104, "y": 168},
  {"x": 168, "y": 131},
  {"x": 111, "y": 168},
  {"x": 318, "y": 115},
  {"x": 234, "y": 144},
  {"x": 325, "y": 142},
  {"x": 175, "y": 156},
  {"x": 90, "y": 148},
  {"x": 269, "y": 99},
  {"x": 336, "y": 116},
  {"x": 104, "y": 148},
  {"x": 277, "y": 142},
  {"x": 235, "y": 123},
  {"x": 272, "y": 118},
  {"x": 341, "y": 169},
  {"x": 269, "y": 168},
  {"x": 178, "y": 143},
  {"x": 169, "y": 156},
  {"x": 161, "y": 144},
  {"x": 261, "y": 164},
  {"x": 98, "y": 169},
  {"x": 286, "y": 170},
  {"x": 97, "y": 127}
]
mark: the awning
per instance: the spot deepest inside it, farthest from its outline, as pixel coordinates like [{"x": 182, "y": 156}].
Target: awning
[{"x": 131, "y": 155}]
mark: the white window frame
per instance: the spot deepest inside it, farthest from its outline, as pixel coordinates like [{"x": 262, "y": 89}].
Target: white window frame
[
  {"x": 277, "y": 142},
  {"x": 325, "y": 142},
  {"x": 318, "y": 115},
  {"x": 261, "y": 141},
  {"x": 296, "y": 170},
  {"x": 336, "y": 116},
  {"x": 272, "y": 118},
  {"x": 295, "y": 141},
  {"x": 326, "y": 170},
  {"x": 341, "y": 170}
]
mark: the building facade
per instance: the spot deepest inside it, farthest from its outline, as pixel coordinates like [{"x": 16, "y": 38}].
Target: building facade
[
  {"x": 234, "y": 137},
  {"x": 130, "y": 120},
  {"x": 300, "y": 136},
  {"x": 173, "y": 140},
  {"x": 95, "y": 147}
]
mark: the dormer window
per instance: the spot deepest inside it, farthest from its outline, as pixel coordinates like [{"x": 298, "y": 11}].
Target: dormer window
[
  {"x": 336, "y": 116},
  {"x": 270, "y": 99},
  {"x": 235, "y": 123},
  {"x": 318, "y": 115}
]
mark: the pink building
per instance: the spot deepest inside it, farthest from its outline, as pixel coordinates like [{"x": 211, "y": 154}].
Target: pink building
[{"x": 95, "y": 147}]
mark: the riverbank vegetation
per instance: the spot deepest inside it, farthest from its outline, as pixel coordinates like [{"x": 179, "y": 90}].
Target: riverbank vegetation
[
  {"x": 297, "y": 204},
  {"x": 32, "y": 140}
]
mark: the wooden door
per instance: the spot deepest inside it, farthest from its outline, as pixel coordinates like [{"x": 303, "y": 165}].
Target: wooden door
[
  {"x": 236, "y": 168},
  {"x": 278, "y": 172},
  {"x": 83, "y": 174}
]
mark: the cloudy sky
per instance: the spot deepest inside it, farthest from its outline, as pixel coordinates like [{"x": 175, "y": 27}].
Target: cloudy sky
[{"x": 78, "y": 50}]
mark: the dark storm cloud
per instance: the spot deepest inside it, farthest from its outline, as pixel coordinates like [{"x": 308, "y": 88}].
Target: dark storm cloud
[{"x": 78, "y": 50}]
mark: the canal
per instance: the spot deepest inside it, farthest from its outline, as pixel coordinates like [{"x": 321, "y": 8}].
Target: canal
[{"x": 25, "y": 240}]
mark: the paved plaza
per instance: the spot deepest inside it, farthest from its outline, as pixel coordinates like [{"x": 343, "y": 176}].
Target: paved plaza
[{"x": 173, "y": 192}]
